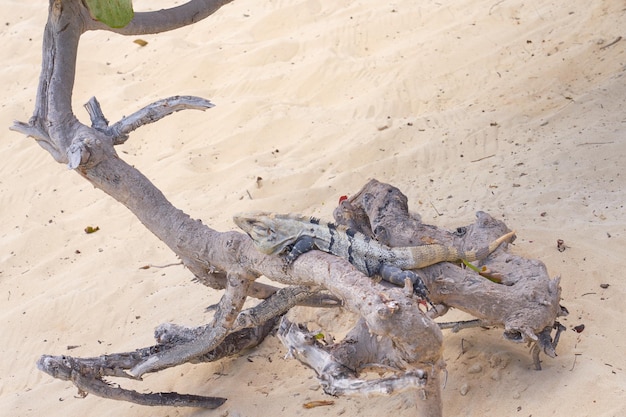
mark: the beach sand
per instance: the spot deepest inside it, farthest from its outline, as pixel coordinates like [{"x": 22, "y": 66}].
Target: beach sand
[{"x": 510, "y": 107}]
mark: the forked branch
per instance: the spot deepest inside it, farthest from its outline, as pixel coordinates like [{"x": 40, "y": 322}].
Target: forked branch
[
  {"x": 154, "y": 112},
  {"x": 88, "y": 373}
]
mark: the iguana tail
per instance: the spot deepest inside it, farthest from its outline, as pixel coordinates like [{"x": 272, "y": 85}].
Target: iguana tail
[
  {"x": 414, "y": 257},
  {"x": 482, "y": 253}
]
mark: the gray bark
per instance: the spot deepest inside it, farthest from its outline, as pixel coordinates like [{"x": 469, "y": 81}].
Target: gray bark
[
  {"x": 393, "y": 332},
  {"x": 524, "y": 300}
]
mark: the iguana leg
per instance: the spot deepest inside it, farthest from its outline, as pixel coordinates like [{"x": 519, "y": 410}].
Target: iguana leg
[
  {"x": 302, "y": 245},
  {"x": 397, "y": 276},
  {"x": 389, "y": 273}
]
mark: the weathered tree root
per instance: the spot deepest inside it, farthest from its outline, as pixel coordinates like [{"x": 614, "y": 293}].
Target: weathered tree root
[
  {"x": 88, "y": 381},
  {"x": 507, "y": 291},
  {"x": 393, "y": 334},
  {"x": 525, "y": 301},
  {"x": 332, "y": 362},
  {"x": 88, "y": 373},
  {"x": 249, "y": 329}
]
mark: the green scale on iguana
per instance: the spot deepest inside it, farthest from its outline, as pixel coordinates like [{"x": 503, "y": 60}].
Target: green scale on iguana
[{"x": 295, "y": 234}]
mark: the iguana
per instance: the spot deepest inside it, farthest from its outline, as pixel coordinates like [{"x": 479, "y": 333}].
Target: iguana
[{"x": 296, "y": 234}]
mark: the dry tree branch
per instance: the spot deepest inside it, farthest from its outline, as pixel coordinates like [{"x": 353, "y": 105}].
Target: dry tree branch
[
  {"x": 144, "y": 23},
  {"x": 227, "y": 310},
  {"x": 151, "y": 113},
  {"x": 88, "y": 373}
]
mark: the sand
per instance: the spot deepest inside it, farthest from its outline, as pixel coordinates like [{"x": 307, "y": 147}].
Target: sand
[{"x": 515, "y": 108}]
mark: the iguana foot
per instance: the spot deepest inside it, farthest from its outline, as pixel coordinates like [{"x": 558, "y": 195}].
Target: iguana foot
[
  {"x": 303, "y": 245},
  {"x": 389, "y": 273},
  {"x": 419, "y": 288},
  {"x": 398, "y": 277}
]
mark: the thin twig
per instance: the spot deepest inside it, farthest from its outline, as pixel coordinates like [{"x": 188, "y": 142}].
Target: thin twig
[
  {"x": 212, "y": 335},
  {"x": 484, "y": 157},
  {"x": 574, "y": 363},
  {"x": 619, "y": 38},
  {"x": 494, "y": 5},
  {"x": 459, "y": 325},
  {"x": 594, "y": 143},
  {"x": 435, "y": 208},
  {"x": 161, "y": 266}
]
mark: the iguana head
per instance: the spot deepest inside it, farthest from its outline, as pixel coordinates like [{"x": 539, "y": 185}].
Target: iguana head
[{"x": 271, "y": 232}]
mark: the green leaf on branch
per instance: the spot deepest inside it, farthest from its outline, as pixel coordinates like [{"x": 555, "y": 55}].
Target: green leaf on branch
[{"x": 113, "y": 13}]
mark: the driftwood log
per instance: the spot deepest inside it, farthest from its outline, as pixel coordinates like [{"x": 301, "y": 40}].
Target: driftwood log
[
  {"x": 518, "y": 294},
  {"x": 503, "y": 290},
  {"x": 393, "y": 333}
]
